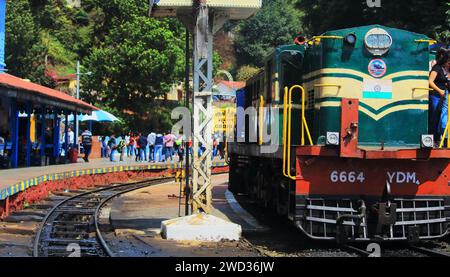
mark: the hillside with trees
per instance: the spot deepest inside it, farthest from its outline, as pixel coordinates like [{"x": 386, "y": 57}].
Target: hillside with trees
[{"x": 135, "y": 59}]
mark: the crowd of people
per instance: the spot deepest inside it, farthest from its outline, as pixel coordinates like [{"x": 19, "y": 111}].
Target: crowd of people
[{"x": 154, "y": 147}]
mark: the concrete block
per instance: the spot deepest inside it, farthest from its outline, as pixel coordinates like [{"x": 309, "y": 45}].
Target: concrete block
[{"x": 200, "y": 227}]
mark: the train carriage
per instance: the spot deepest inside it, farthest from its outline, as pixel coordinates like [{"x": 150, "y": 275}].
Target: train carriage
[{"x": 354, "y": 159}]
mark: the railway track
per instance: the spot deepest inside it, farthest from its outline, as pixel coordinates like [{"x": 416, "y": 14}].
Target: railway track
[
  {"x": 397, "y": 251},
  {"x": 72, "y": 228}
]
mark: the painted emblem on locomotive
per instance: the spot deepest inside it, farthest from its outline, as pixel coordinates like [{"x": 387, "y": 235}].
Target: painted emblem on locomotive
[{"x": 377, "y": 68}]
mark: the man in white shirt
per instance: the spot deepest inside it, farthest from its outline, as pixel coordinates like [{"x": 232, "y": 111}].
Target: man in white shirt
[
  {"x": 151, "y": 139},
  {"x": 71, "y": 136}
]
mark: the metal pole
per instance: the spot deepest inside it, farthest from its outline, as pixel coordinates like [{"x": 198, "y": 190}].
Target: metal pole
[
  {"x": 186, "y": 103},
  {"x": 77, "y": 129},
  {"x": 202, "y": 106}
]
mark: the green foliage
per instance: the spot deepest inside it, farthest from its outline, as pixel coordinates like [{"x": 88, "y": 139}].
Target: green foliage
[
  {"x": 246, "y": 72},
  {"x": 57, "y": 52},
  {"x": 25, "y": 54},
  {"x": 277, "y": 23},
  {"x": 138, "y": 61},
  {"x": 444, "y": 35},
  {"x": 421, "y": 16},
  {"x": 134, "y": 58}
]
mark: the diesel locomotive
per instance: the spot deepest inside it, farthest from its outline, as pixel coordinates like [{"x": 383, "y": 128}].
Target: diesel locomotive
[{"x": 352, "y": 157}]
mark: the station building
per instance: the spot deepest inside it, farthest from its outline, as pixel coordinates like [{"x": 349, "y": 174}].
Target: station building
[
  {"x": 30, "y": 122},
  {"x": 31, "y": 116}
]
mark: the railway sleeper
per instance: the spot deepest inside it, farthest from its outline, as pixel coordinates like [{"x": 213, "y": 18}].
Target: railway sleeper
[
  {"x": 64, "y": 251},
  {"x": 91, "y": 242}
]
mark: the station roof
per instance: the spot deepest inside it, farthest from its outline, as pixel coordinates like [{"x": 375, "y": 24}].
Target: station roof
[
  {"x": 27, "y": 91},
  {"x": 236, "y": 9}
]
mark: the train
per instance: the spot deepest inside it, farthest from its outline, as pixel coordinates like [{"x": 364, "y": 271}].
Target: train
[{"x": 333, "y": 135}]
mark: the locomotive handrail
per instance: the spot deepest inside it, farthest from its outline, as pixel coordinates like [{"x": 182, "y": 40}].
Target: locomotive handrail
[
  {"x": 261, "y": 117},
  {"x": 327, "y": 85},
  {"x": 318, "y": 38},
  {"x": 286, "y": 133},
  {"x": 287, "y": 130},
  {"x": 446, "y": 131},
  {"x": 429, "y": 41},
  {"x": 327, "y": 37},
  {"x": 423, "y": 88}
]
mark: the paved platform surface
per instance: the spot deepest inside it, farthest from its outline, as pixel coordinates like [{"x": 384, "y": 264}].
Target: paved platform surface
[
  {"x": 13, "y": 181},
  {"x": 145, "y": 209},
  {"x": 137, "y": 216}
]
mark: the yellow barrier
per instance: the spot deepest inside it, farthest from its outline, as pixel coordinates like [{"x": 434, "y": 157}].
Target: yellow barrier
[
  {"x": 446, "y": 131},
  {"x": 287, "y": 128},
  {"x": 261, "y": 119}
]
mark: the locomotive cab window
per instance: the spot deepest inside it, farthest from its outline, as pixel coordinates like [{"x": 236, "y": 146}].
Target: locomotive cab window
[{"x": 291, "y": 69}]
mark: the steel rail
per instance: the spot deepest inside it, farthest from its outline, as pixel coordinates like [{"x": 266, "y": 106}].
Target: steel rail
[
  {"x": 98, "y": 232},
  {"x": 430, "y": 252},
  {"x": 136, "y": 185}
]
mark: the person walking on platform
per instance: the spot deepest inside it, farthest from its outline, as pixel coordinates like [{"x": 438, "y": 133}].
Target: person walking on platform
[
  {"x": 86, "y": 140},
  {"x": 174, "y": 138},
  {"x": 70, "y": 137},
  {"x": 113, "y": 146},
  {"x": 168, "y": 141},
  {"x": 121, "y": 148},
  {"x": 159, "y": 142},
  {"x": 142, "y": 142},
  {"x": 221, "y": 147},
  {"x": 48, "y": 150},
  {"x": 137, "y": 148},
  {"x": 105, "y": 150},
  {"x": 180, "y": 147},
  {"x": 127, "y": 144},
  {"x": 151, "y": 138},
  {"x": 131, "y": 145}
]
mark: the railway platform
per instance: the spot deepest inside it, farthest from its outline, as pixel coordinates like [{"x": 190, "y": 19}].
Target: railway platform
[
  {"x": 22, "y": 185},
  {"x": 139, "y": 214},
  {"x": 145, "y": 209}
]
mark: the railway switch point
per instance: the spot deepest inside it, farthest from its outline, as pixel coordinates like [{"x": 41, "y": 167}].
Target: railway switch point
[{"x": 200, "y": 227}]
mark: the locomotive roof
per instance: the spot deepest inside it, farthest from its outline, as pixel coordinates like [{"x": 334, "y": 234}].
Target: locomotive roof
[{"x": 368, "y": 27}]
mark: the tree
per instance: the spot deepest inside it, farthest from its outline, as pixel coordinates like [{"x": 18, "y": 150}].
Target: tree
[
  {"x": 421, "y": 16},
  {"x": 277, "y": 23},
  {"x": 246, "y": 72},
  {"x": 138, "y": 61},
  {"x": 444, "y": 35},
  {"x": 25, "y": 54}
]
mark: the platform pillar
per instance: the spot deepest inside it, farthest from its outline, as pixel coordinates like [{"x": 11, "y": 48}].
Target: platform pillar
[
  {"x": 203, "y": 113},
  {"x": 66, "y": 135},
  {"x": 75, "y": 131},
  {"x": 56, "y": 135},
  {"x": 28, "y": 149},
  {"x": 14, "y": 131},
  {"x": 43, "y": 142}
]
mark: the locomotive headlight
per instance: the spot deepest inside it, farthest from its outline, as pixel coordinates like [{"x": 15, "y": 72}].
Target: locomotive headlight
[
  {"x": 350, "y": 39},
  {"x": 378, "y": 41},
  {"x": 427, "y": 141},
  {"x": 332, "y": 138}
]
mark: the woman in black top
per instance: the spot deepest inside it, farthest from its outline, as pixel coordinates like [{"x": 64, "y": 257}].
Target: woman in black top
[{"x": 439, "y": 82}]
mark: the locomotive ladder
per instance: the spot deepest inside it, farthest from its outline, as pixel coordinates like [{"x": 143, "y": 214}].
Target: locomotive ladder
[{"x": 287, "y": 128}]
